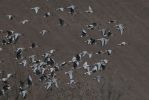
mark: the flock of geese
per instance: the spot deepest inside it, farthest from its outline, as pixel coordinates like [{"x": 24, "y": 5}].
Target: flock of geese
[{"x": 46, "y": 68}]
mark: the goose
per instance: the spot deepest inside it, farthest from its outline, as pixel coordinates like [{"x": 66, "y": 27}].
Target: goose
[
  {"x": 56, "y": 67},
  {"x": 46, "y": 55},
  {"x": 75, "y": 64},
  {"x": 100, "y": 52},
  {"x": 19, "y": 52},
  {"x": 9, "y": 33},
  {"x": 24, "y": 63},
  {"x": 32, "y": 58},
  {"x": 69, "y": 73},
  {"x": 78, "y": 57},
  {"x": 23, "y": 93},
  {"x": 25, "y": 21},
  {"x": 50, "y": 61},
  {"x": 43, "y": 70},
  {"x": 29, "y": 80},
  {"x": 104, "y": 41},
  {"x": 37, "y": 70},
  {"x": 23, "y": 85},
  {"x": 109, "y": 51},
  {"x": 6, "y": 87},
  {"x": 47, "y": 14},
  {"x": 73, "y": 59},
  {"x": 43, "y": 32},
  {"x": 97, "y": 66},
  {"x": 9, "y": 37},
  {"x": 4, "y": 42},
  {"x": 10, "y": 17},
  {"x": 91, "y": 41},
  {"x": 85, "y": 65},
  {"x": 103, "y": 31},
  {"x": 91, "y": 26},
  {"x": 6, "y": 78},
  {"x": 120, "y": 27},
  {"x": 60, "y": 9},
  {"x": 83, "y": 33},
  {"x": 106, "y": 33},
  {"x": 71, "y": 82},
  {"x": 90, "y": 10},
  {"x": 52, "y": 51},
  {"x": 52, "y": 69},
  {"x": 14, "y": 37},
  {"x": 48, "y": 84},
  {"x": 34, "y": 68},
  {"x": 89, "y": 72},
  {"x": 54, "y": 80},
  {"x": 94, "y": 69},
  {"x": 112, "y": 21},
  {"x": 43, "y": 77},
  {"x": 36, "y": 9},
  {"x": 63, "y": 63},
  {"x": 104, "y": 61},
  {"x": 71, "y": 8},
  {"x": 84, "y": 53},
  {"x": 122, "y": 44}
]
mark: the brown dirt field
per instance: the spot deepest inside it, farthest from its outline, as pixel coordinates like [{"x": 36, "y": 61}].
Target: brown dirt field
[{"x": 127, "y": 74}]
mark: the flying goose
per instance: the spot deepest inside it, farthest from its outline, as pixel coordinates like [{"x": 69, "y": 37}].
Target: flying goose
[
  {"x": 47, "y": 14},
  {"x": 29, "y": 81},
  {"x": 69, "y": 73},
  {"x": 83, "y": 33},
  {"x": 104, "y": 41},
  {"x": 48, "y": 84},
  {"x": 43, "y": 32},
  {"x": 91, "y": 26},
  {"x": 120, "y": 27},
  {"x": 54, "y": 80},
  {"x": 71, "y": 8},
  {"x": 36, "y": 9},
  {"x": 109, "y": 51},
  {"x": 24, "y": 21},
  {"x": 122, "y": 44},
  {"x": 23, "y": 62},
  {"x": 6, "y": 78},
  {"x": 85, "y": 65},
  {"x": 19, "y": 52},
  {"x": 10, "y": 17},
  {"x": 91, "y": 41},
  {"x": 90, "y": 10},
  {"x": 112, "y": 21},
  {"x": 60, "y": 9},
  {"x": 23, "y": 93}
]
